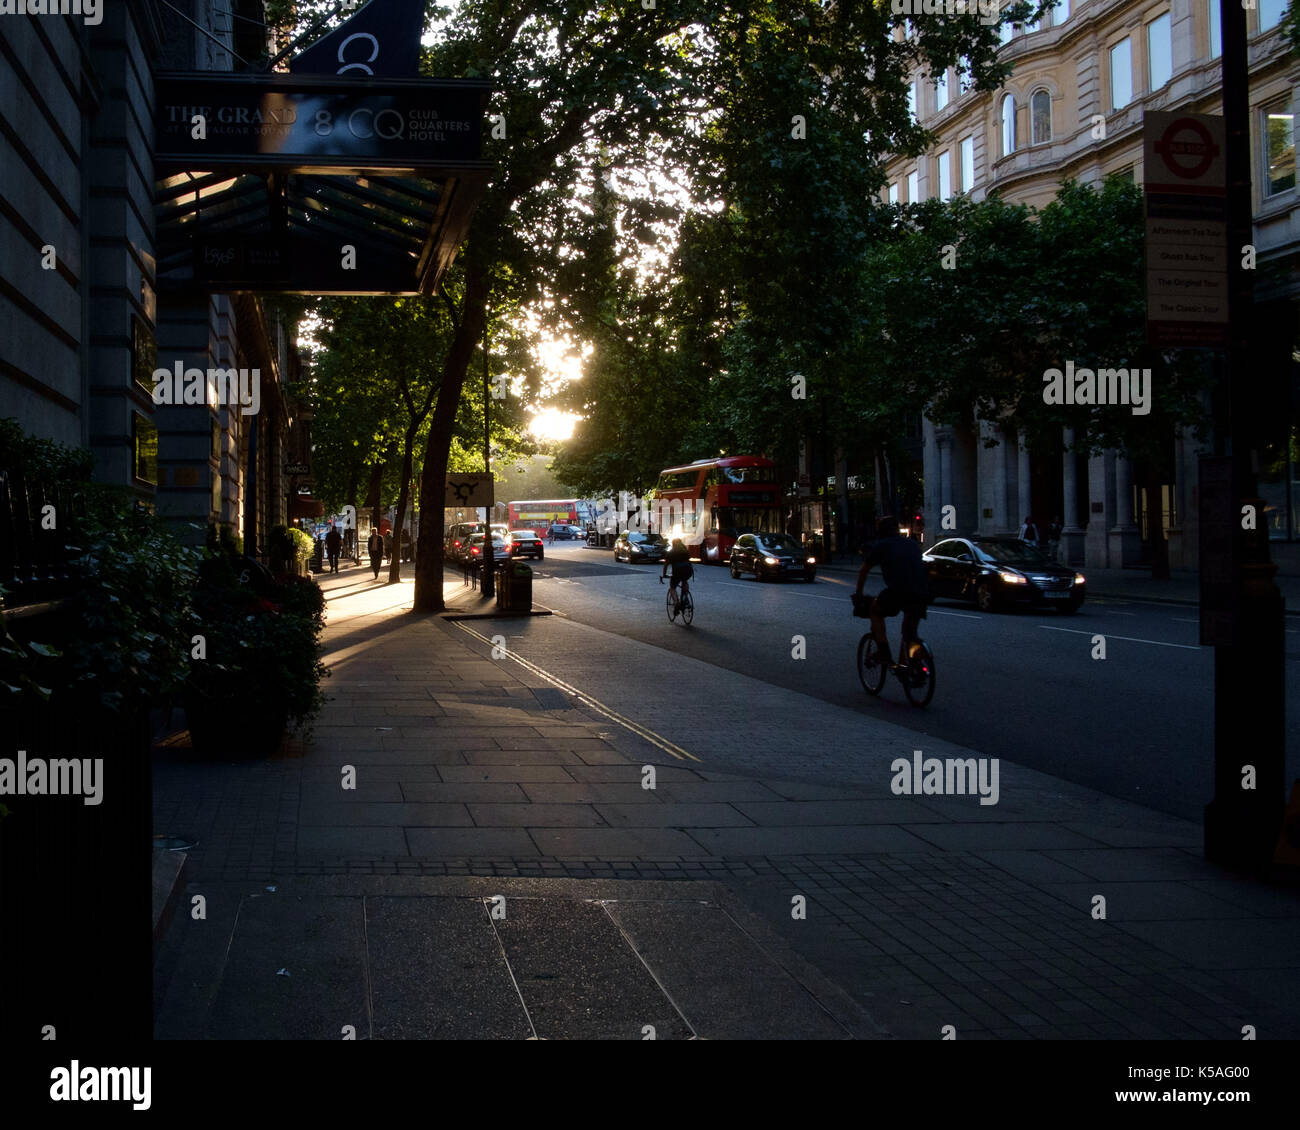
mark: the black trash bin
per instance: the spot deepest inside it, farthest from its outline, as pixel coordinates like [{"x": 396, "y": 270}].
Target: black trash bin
[{"x": 520, "y": 586}]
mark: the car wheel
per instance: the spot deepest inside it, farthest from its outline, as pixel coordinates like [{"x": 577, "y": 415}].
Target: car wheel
[
  {"x": 984, "y": 598},
  {"x": 809, "y": 578},
  {"x": 540, "y": 555},
  {"x": 735, "y": 573}
]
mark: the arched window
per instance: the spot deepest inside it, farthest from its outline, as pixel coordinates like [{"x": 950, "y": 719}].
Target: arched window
[
  {"x": 1040, "y": 116},
  {"x": 1008, "y": 125}
]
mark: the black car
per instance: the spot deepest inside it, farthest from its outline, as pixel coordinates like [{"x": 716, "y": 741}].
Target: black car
[
  {"x": 771, "y": 556},
  {"x": 632, "y": 546},
  {"x": 1000, "y": 572},
  {"x": 526, "y": 543}
]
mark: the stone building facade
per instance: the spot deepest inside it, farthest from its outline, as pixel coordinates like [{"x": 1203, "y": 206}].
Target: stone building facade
[{"x": 1073, "y": 109}]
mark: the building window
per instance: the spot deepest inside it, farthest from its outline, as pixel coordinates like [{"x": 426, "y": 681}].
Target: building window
[
  {"x": 941, "y": 91},
  {"x": 1270, "y": 13},
  {"x": 911, "y": 101},
  {"x": 967, "y": 163},
  {"x": 1005, "y": 31},
  {"x": 1040, "y": 116},
  {"x": 1216, "y": 29},
  {"x": 964, "y": 78},
  {"x": 144, "y": 448},
  {"x": 893, "y": 193},
  {"x": 1160, "y": 52},
  {"x": 913, "y": 188},
  {"x": 1061, "y": 13},
  {"x": 144, "y": 354},
  {"x": 945, "y": 176},
  {"x": 1121, "y": 75},
  {"x": 1008, "y": 125},
  {"x": 1126, "y": 173},
  {"x": 1279, "y": 146}
]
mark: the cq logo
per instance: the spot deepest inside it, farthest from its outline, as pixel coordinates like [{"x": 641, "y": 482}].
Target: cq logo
[{"x": 364, "y": 64}]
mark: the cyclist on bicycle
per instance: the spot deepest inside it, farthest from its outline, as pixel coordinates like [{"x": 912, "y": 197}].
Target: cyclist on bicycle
[
  {"x": 907, "y": 589},
  {"x": 679, "y": 558}
]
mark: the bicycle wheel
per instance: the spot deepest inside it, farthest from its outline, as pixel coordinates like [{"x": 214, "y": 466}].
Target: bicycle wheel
[
  {"x": 687, "y": 609},
  {"x": 871, "y": 666},
  {"x": 918, "y": 680},
  {"x": 672, "y": 606}
]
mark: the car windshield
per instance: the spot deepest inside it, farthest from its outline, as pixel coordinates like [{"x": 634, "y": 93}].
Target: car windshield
[
  {"x": 1010, "y": 552},
  {"x": 782, "y": 543},
  {"x": 647, "y": 539}
]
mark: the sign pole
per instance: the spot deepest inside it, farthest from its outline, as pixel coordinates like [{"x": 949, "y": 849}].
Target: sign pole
[
  {"x": 1243, "y": 819},
  {"x": 489, "y": 556}
]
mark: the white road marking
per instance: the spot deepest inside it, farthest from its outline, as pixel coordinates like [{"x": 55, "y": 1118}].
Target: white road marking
[
  {"x": 1131, "y": 639},
  {"x": 1182, "y": 620},
  {"x": 1108, "y": 612}
]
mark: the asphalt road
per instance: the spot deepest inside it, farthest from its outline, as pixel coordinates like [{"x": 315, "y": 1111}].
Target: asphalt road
[{"x": 1022, "y": 686}]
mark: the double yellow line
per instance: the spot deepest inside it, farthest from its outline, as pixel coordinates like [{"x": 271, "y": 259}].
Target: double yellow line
[{"x": 656, "y": 740}]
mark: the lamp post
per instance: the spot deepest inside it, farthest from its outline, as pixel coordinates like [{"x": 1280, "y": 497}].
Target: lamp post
[{"x": 1243, "y": 819}]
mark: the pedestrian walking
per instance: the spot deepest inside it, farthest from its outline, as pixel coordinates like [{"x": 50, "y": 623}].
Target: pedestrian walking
[
  {"x": 333, "y": 542},
  {"x": 1054, "y": 535},
  {"x": 375, "y": 546},
  {"x": 1029, "y": 531}
]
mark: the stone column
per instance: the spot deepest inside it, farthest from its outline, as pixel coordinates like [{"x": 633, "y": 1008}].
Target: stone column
[
  {"x": 943, "y": 437},
  {"x": 1024, "y": 497},
  {"x": 1070, "y": 551},
  {"x": 1125, "y": 539}
]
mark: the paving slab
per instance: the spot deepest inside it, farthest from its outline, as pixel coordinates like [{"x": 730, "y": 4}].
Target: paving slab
[
  {"x": 296, "y": 970},
  {"x": 437, "y": 972},
  {"x": 578, "y": 977}
]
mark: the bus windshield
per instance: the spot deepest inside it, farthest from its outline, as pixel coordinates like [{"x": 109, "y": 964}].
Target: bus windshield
[
  {"x": 748, "y": 474},
  {"x": 736, "y": 520}
]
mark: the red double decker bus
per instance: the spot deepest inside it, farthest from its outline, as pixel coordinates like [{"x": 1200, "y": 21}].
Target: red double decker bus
[
  {"x": 711, "y": 502},
  {"x": 540, "y": 515}
]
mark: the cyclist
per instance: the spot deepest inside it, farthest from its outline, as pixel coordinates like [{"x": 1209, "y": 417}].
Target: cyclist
[
  {"x": 907, "y": 589},
  {"x": 679, "y": 557}
]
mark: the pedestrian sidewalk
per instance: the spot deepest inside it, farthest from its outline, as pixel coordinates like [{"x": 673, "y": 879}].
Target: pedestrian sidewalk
[
  {"x": 1182, "y": 587},
  {"x": 713, "y": 904}
]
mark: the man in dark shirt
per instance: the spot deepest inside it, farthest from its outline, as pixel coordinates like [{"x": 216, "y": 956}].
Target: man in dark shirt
[{"x": 907, "y": 589}]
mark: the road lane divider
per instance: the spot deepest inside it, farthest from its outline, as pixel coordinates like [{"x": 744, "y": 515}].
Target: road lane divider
[
  {"x": 1131, "y": 639},
  {"x": 656, "y": 740}
]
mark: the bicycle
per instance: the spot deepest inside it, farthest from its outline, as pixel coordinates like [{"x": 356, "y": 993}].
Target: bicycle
[
  {"x": 916, "y": 674},
  {"x": 683, "y": 605}
]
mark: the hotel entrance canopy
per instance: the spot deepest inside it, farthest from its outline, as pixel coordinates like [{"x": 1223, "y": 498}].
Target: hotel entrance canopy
[{"x": 314, "y": 184}]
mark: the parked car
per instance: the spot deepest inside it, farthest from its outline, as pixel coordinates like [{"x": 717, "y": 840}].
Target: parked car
[
  {"x": 526, "y": 543},
  {"x": 458, "y": 538},
  {"x": 1000, "y": 572},
  {"x": 771, "y": 556},
  {"x": 633, "y": 546},
  {"x": 500, "y": 548}
]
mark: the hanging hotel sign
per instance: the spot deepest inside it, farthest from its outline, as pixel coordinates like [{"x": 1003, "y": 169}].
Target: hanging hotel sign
[
  {"x": 307, "y": 122},
  {"x": 1186, "y": 229}
]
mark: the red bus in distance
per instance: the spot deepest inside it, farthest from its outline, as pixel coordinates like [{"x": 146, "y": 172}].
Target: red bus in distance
[
  {"x": 711, "y": 502},
  {"x": 541, "y": 514}
]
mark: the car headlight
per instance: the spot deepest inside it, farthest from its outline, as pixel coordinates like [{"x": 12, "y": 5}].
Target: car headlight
[
  {"x": 1011, "y": 578},
  {"x": 769, "y": 560},
  {"x": 812, "y": 561},
  {"x": 1078, "y": 578},
  {"x": 636, "y": 549}
]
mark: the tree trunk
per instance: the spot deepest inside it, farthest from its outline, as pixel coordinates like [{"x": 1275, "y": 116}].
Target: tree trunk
[
  {"x": 428, "y": 558},
  {"x": 399, "y": 519}
]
